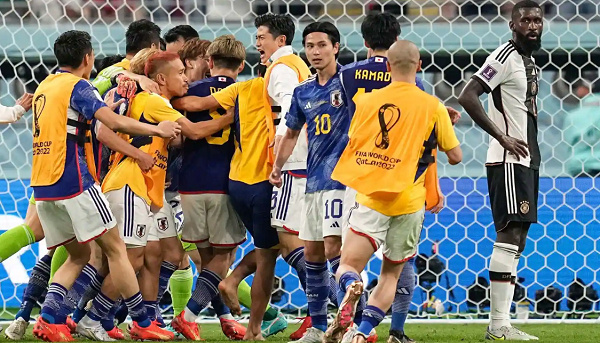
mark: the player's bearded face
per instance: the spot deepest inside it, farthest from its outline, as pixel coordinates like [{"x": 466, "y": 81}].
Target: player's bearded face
[{"x": 528, "y": 28}]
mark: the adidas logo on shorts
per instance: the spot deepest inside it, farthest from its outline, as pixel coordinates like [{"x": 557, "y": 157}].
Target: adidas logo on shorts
[{"x": 334, "y": 225}]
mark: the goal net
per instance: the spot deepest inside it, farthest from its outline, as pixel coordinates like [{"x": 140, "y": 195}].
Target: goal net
[{"x": 563, "y": 249}]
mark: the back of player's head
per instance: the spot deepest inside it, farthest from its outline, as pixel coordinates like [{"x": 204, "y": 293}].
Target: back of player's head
[
  {"x": 324, "y": 27},
  {"x": 137, "y": 65},
  {"x": 157, "y": 62},
  {"x": 193, "y": 49},
  {"x": 71, "y": 47},
  {"x": 278, "y": 25},
  {"x": 110, "y": 60},
  {"x": 404, "y": 57},
  {"x": 380, "y": 30},
  {"x": 524, "y": 4},
  {"x": 227, "y": 52},
  {"x": 141, "y": 34},
  {"x": 181, "y": 31}
]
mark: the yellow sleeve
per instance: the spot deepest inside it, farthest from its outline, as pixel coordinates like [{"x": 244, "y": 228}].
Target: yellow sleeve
[
  {"x": 226, "y": 97},
  {"x": 159, "y": 109},
  {"x": 444, "y": 131}
]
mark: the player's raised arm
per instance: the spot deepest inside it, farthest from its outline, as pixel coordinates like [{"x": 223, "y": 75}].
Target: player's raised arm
[
  {"x": 12, "y": 114},
  {"x": 133, "y": 127},
  {"x": 204, "y": 129},
  {"x": 118, "y": 144}
]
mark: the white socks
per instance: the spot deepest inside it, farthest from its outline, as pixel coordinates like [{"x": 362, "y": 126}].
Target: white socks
[{"x": 502, "y": 266}]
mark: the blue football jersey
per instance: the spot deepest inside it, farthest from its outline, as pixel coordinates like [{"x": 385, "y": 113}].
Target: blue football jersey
[
  {"x": 365, "y": 76},
  {"x": 205, "y": 163},
  {"x": 323, "y": 109}
]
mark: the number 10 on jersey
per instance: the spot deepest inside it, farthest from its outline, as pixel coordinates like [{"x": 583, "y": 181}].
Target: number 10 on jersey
[{"x": 322, "y": 124}]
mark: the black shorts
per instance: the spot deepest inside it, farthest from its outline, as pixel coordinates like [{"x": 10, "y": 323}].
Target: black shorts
[
  {"x": 513, "y": 192},
  {"x": 253, "y": 205}
]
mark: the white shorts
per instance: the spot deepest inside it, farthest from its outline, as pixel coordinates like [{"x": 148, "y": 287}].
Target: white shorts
[
  {"x": 83, "y": 217},
  {"x": 174, "y": 200},
  {"x": 211, "y": 221},
  {"x": 287, "y": 203},
  {"x": 134, "y": 218},
  {"x": 164, "y": 223},
  {"x": 349, "y": 204},
  {"x": 322, "y": 215},
  {"x": 399, "y": 235}
]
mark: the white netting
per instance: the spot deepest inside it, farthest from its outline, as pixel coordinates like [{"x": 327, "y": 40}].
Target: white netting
[{"x": 455, "y": 37}]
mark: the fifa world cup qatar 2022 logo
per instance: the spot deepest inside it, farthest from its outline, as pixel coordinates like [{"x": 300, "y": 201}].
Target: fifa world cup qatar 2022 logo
[
  {"x": 389, "y": 115},
  {"x": 38, "y": 108}
]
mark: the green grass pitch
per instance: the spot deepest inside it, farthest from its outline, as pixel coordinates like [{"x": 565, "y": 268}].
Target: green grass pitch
[{"x": 434, "y": 333}]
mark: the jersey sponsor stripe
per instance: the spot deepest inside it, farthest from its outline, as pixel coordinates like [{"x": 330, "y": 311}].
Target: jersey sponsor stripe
[
  {"x": 100, "y": 205},
  {"x": 504, "y": 56},
  {"x": 128, "y": 216}
]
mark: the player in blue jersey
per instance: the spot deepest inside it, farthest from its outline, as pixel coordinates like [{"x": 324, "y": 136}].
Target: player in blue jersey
[
  {"x": 319, "y": 103},
  {"x": 211, "y": 222},
  {"x": 379, "y": 32}
]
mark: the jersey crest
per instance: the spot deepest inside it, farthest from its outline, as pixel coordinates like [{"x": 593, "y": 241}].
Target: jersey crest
[{"x": 336, "y": 98}]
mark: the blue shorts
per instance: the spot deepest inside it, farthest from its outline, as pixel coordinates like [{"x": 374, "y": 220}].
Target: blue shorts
[{"x": 253, "y": 205}]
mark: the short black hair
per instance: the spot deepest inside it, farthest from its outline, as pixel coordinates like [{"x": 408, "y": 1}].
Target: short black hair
[
  {"x": 278, "y": 25},
  {"x": 380, "y": 30},
  {"x": 71, "y": 47},
  {"x": 524, "y": 4},
  {"x": 141, "y": 34},
  {"x": 109, "y": 61},
  {"x": 325, "y": 27},
  {"x": 184, "y": 31}
]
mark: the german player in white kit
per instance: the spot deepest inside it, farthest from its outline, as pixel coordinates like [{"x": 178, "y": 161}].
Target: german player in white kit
[{"x": 510, "y": 76}]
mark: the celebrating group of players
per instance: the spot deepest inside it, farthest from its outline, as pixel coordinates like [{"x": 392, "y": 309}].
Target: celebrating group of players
[{"x": 192, "y": 156}]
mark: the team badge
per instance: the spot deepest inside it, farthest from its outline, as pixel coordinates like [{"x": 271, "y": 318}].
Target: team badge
[
  {"x": 163, "y": 224},
  {"x": 534, "y": 87},
  {"x": 489, "y": 72},
  {"x": 336, "y": 99},
  {"x": 524, "y": 207},
  {"x": 140, "y": 230},
  {"x": 379, "y": 59}
]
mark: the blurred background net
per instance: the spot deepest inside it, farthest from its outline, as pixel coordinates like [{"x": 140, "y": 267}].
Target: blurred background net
[{"x": 560, "y": 268}]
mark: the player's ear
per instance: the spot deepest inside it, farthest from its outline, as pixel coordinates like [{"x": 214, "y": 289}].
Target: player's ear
[
  {"x": 280, "y": 40},
  {"x": 211, "y": 63},
  {"x": 367, "y": 45},
  {"x": 241, "y": 67},
  {"x": 511, "y": 25},
  {"x": 387, "y": 64},
  {"x": 419, "y": 66},
  {"x": 160, "y": 79},
  {"x": 336, "y": 48},
  {"x": 189, "y": 64}
]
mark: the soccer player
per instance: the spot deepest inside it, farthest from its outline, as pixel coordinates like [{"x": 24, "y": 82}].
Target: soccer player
[
  {"x": 211, "y": 222},
  {"x": 140, "y": 34},
  {"x": 70, "y": 205},
  {"x": 249, "y": 187},
  {"x": 382, "y": 163},
  {"x": 510, "y": 75},
  {"x": 319, "y": 103},
  {"x": 379, "y": 32},
  {"x": 176, "y": 37},
  {"x": 132, "y": 194}
]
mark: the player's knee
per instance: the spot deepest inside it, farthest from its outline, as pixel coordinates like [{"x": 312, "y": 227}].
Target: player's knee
[
  {"x": 136, "y": 258},
  {"x": 333, "y": 246},
  {"x": 511, "y": 234},
  {"x": 172, "y": 251}
]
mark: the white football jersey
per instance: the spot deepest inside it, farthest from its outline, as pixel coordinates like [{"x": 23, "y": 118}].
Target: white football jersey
[{"x": 511, "y": 80}]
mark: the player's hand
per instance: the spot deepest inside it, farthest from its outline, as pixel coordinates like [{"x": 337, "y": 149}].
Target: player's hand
[
  {"x": 25, "y": 101},
  {"x": 439, "y": 206},
  {"x": 149, "y": 85},
  {"x": 145, "y": 161},
  {"x": 454, "y": 115},
  {"x": 168, "y": 129},
  {"x": 275, "y": 177},
  {"x": 126, "y": 87},
  {"x": 515, "y": 146}
]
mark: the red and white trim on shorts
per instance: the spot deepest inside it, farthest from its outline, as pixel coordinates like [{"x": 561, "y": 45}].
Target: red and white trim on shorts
[
  {"x": 228, "y": 245},
  {"x": 290, "y": 230},
  {"x": 401, "y": 261},
  {"x": 61, "y": 244},
  {"x": 95, "y": 237},
  {"x": 371, "y": 239}
]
